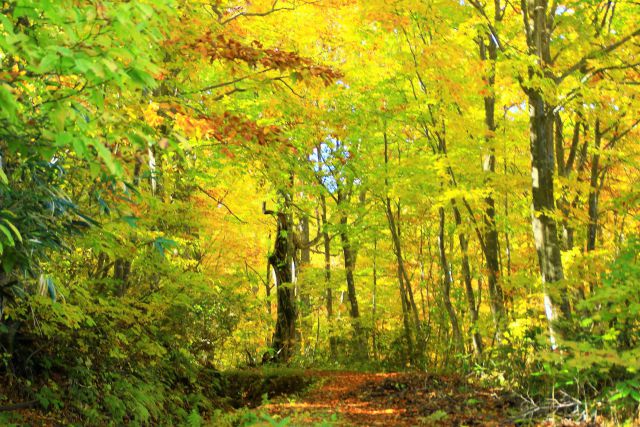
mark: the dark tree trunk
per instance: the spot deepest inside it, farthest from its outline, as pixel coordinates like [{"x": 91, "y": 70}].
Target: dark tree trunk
[
  {"x": 592, "y": 228},
  {"x": 349, "y": 254},
  {"x": 305, "y": 250},
  {"x": 349, "y": 264},
  {"x": 545, "y": 230},
  {"x": 121, "y": 271},
  {"x": 281, "y": 260},
  {"x": 267, "y": 288},
  {"x": 489, "y": 52},
  {"x": 405, "y": 317},
  {"x": 406, "y": 292},
  {"x": 327, "y": 277},
  {"x": 538, "y": 21}
]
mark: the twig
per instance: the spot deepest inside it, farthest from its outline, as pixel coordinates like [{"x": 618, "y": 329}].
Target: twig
[{"x": 221, "y": 203}]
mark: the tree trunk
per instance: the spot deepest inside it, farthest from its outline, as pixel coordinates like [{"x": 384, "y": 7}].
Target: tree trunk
[
  {"x": 489, "y": 52},
  {"x": 564, "y": 170},
  {"x": 281, "y": 260},
  {"x": 267, "y": 288},
  {"x": 403, "y": 277},
  {"x": 350, "y": 264},
  {"x": 468, "y": 285},
  {"x": 405, "y": 274},
  {"x": 423, "y": 280},
  {"x": 447, "y": 282},
  {"x": 374, "y": 302},
  {"x": 305, "y": 250},
  {"x": 541, "y": 121},
  {"x": 592, "y": 229},
  {"x": 302, "y": 259},
  {"x": 545, "y": 231},
  {"x": 121, "y": 271},
  {"x": 405, "y": 317},
  {"x": 406, "y": 291},
  {"x": 327, "y": 277}
]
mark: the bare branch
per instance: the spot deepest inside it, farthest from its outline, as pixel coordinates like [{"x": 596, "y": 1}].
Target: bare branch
[
  {"x": 274, "y": 9},
  {"x": 221, "y": 203},
  {"x": 231, "y": 82}
]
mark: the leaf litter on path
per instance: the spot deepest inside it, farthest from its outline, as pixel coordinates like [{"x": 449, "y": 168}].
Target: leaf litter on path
[{"x": 394, "y": 399}]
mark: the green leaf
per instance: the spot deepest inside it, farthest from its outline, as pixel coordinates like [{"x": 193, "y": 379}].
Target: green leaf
[
  {"x": 48, "y": 63},
  {"x": 7, "y": 233},
  {"x": 8, "y": 104},
  {"x": 8, "y": 261},
  {"x": 141, "y": 77},
  {"x": 107, "y": 157},
  {"x": 14, "y": 229},
  {"x": 131, "y": 220}
]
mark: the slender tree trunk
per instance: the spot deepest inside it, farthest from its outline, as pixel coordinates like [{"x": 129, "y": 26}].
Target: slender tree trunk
[
  {"x": 405, "y": 317},
  {"x": 302, "y": 259},
  {"x": 422, "y": 274},
  {"x": 305, "y": 251},
  {"x": 121, "y": 271},
  {"x": 350, "y": 263},
  {"x": 406, "y": 291},
  {"x": 507, "y": 240},
  {"x": 407, "y": 281},
  {"x": 327, "y": 277},
  {"x": 405, "y": 284},
  {"x": 489, "y": 52},
  {"x": 3, "y": 278},
  {"x": 468, "y": 285},
  {"x": 374, "y": 302},
  {"x": 447, "y": 282},
  {"x": 267, "y": 288},
  {"x": 564, "y": 170},
  {"x": 592, "y": 228}
]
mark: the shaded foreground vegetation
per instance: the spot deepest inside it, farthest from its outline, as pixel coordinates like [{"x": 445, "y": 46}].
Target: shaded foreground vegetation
[{"x": 202, "y": 202}]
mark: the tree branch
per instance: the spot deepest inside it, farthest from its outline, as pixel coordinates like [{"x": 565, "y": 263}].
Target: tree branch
[
  {"x": 596, "y": 53},
  {"x": 221, "y": 203}
]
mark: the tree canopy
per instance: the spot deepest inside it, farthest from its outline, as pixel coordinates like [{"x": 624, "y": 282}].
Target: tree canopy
[{"x": 191, "y": 186}]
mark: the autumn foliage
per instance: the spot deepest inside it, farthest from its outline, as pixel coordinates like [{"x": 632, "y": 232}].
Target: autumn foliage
[{"x": 446, "y": 188}]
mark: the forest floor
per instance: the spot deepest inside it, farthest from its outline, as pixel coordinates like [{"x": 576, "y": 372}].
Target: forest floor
[{"x": 392, "y": 399}]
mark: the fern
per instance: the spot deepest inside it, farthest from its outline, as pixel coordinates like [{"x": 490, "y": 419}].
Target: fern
[{"x": 194, "y": 419}]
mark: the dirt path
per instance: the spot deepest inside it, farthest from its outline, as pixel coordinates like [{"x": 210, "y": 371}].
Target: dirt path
[{"x": 404, "y": 399}]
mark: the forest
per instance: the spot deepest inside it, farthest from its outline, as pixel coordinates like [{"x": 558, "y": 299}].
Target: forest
[{"x": 319, "y": 212}]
